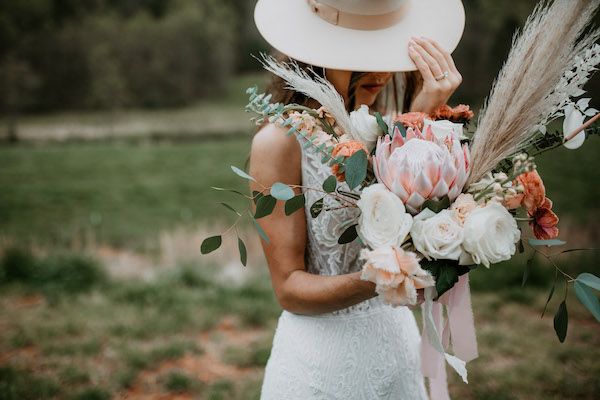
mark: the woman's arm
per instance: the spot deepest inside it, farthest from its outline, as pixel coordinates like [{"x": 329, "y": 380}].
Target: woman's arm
[{"x": 276, "y": 157}]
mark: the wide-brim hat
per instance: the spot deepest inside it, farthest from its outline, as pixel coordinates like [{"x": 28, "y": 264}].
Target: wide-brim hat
[{"x": 358, "y": 35}]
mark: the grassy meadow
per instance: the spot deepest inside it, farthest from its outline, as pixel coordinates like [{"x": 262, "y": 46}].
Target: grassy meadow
[{"x": 71, "y": 330}]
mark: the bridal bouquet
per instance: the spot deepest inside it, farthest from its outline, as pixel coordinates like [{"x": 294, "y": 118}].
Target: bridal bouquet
[{"x": 437, "y": 201}]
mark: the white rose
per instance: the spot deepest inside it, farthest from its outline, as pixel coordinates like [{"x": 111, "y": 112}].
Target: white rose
[
  {"x": 366, "y": 128},
  {"x": 438, "y": 236},
  {"x": 490, "y": 234},
  {"x": 444, "y": 128},
  {"x": 383, "y": 220}
]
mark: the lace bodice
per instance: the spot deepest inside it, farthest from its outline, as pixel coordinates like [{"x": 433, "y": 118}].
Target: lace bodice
[{"x": 324, "y": 256}]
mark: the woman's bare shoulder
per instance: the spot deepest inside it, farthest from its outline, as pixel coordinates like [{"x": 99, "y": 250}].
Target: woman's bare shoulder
[
  {"x": 272, "y": 139},
  {"x": 275, "y": 153}
]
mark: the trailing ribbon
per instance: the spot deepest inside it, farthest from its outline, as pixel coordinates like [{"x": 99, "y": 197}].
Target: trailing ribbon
[{"x": 459, "y": 329}]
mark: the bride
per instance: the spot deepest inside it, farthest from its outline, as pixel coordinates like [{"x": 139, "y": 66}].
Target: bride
[{"x": 335, "y": 339}]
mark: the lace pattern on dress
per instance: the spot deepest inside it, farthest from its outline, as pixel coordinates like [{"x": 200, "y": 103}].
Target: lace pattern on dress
[{"x": 324, "y": 256}]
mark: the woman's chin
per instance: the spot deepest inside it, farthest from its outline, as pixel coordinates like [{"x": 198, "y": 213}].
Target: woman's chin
[{"x": 365, "y": 98}]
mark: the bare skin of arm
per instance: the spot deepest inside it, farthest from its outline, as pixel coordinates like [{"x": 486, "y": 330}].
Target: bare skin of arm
[{"x": 276, "y": 157}]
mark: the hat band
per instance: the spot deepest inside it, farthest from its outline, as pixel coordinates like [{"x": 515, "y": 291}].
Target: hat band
[{"x": 357, "y": 21}]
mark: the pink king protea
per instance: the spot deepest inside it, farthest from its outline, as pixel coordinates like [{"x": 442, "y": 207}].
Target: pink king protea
[{"x": 421, "y": 167}]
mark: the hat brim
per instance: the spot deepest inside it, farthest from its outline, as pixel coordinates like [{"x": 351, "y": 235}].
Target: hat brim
[{"x": 293, "y": 29}]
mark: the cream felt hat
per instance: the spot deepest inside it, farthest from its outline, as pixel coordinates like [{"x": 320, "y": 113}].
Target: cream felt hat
[{"x": 358, "y": 35}]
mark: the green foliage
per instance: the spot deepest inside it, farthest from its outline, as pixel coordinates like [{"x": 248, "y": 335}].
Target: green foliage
[
  {"x": 316, "y": 208},
  {"x": 211, "y": 244},
  {"x": 260, "y": 231},
  {"x": 243, "y": 252},
  {"x": 254, "y": 355},
  {"x": 265, "y": 206},
  {"x": 67, "y": 273},
  {"x": 355, "y": 168},
  {"x": 294, "y": 204},
  {"x": 111, "y": 54},
  {"x": 92, "y": 393},
  {"x": 548, "y": 243},
  {"x": 241, "y": 173},
  {"x": 179, "y": 382},
  {"x": 561, "y": 321},
  {"x": 588, "y": 298},
  {"x": 17, "y": 384},
  {"x": 437, "y": 205},
  {"x": 445, "y": 272},
  {"x": 349, "y": 235},
  {"x": 382, "y": 125},
  {"x": 281, "y": 191},
  {"x": 330, "y": 184}
]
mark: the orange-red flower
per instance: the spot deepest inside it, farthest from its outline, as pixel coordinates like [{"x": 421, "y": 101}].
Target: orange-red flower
[
  {"x": 411, "y": 119},
  {"x": 544, "y": 221},
  {"x": 533, "y": 194},
  {"x": 345, "y": 149},
  {"x": 460, "y": 113}
]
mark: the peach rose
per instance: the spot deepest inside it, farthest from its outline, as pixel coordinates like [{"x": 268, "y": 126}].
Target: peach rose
[
  {"x": 460, "y": 113},
  {"x": 533, "y": 194},
  {"x": 304, "y": 121},
  {"x": 411, "y": 119},
  {"x": 544, "y": 221},
  {"x": 345, "y": 149},
  {"x": 462, "y": 206},
  {"x": 396, "y": 274}
]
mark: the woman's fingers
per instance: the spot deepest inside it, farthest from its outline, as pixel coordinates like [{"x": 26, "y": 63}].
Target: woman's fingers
[
  {"x": 449, "y": 59},
  {"x": 444, "y": 61},
  {"x": 432, "y": 63},
  {"x": 434, "y": 52},
  {"x": 421, "y": 64}
]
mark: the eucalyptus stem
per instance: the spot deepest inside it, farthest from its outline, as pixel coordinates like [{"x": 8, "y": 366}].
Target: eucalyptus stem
[{"x": 547, "y": 257}]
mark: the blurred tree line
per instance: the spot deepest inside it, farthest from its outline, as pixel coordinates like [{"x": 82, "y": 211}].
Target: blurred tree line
[
  {"x": 82, "y": 54},
  {"x": 73, "y": 54}
]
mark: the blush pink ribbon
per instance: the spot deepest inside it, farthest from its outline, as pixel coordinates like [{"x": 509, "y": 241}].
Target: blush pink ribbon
[{"x": 459, "y": 329}]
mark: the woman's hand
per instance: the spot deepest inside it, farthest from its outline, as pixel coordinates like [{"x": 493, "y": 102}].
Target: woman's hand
[{"x": 433, "y": 62}]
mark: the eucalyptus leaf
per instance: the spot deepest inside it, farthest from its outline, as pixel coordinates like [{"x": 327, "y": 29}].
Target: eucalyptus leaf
[
  {"x": 526, "y": 271},
  {"x": 589, "y": 280},
  {"x": 549, "y": 243},
  {"x": 294, "y": 204},
  {"x": 444, "y": 272},
  {"x": 384, "y": 127},
  {"x": 227, "y": 206},
  {"x": 400, "y": 128},
  {"x": 355, "y": 169},
  {"x": 588, "y": 298},
  {"x": 281, "y": 191},
  {"x": 243, "y": 252},
  {"x": 256, "y": 196},
  {"x": 316, "y": 208},
  {"x": 241, "y": 173},
  {"x": 265, "y": 206},
  {"x": 437, "y": 205},
  {"x": 561, "y": 321},
  {"x": 330, "y": 184},
  {"x": 229, "y": 190},
  {"x": 260, "y": 230},
  {"x": 349, "y": 235},
  {"x": 210, "y": 244}
]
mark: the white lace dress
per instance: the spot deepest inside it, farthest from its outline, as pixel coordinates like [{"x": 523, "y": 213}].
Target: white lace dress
[{"x": 368, "y": 351}]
